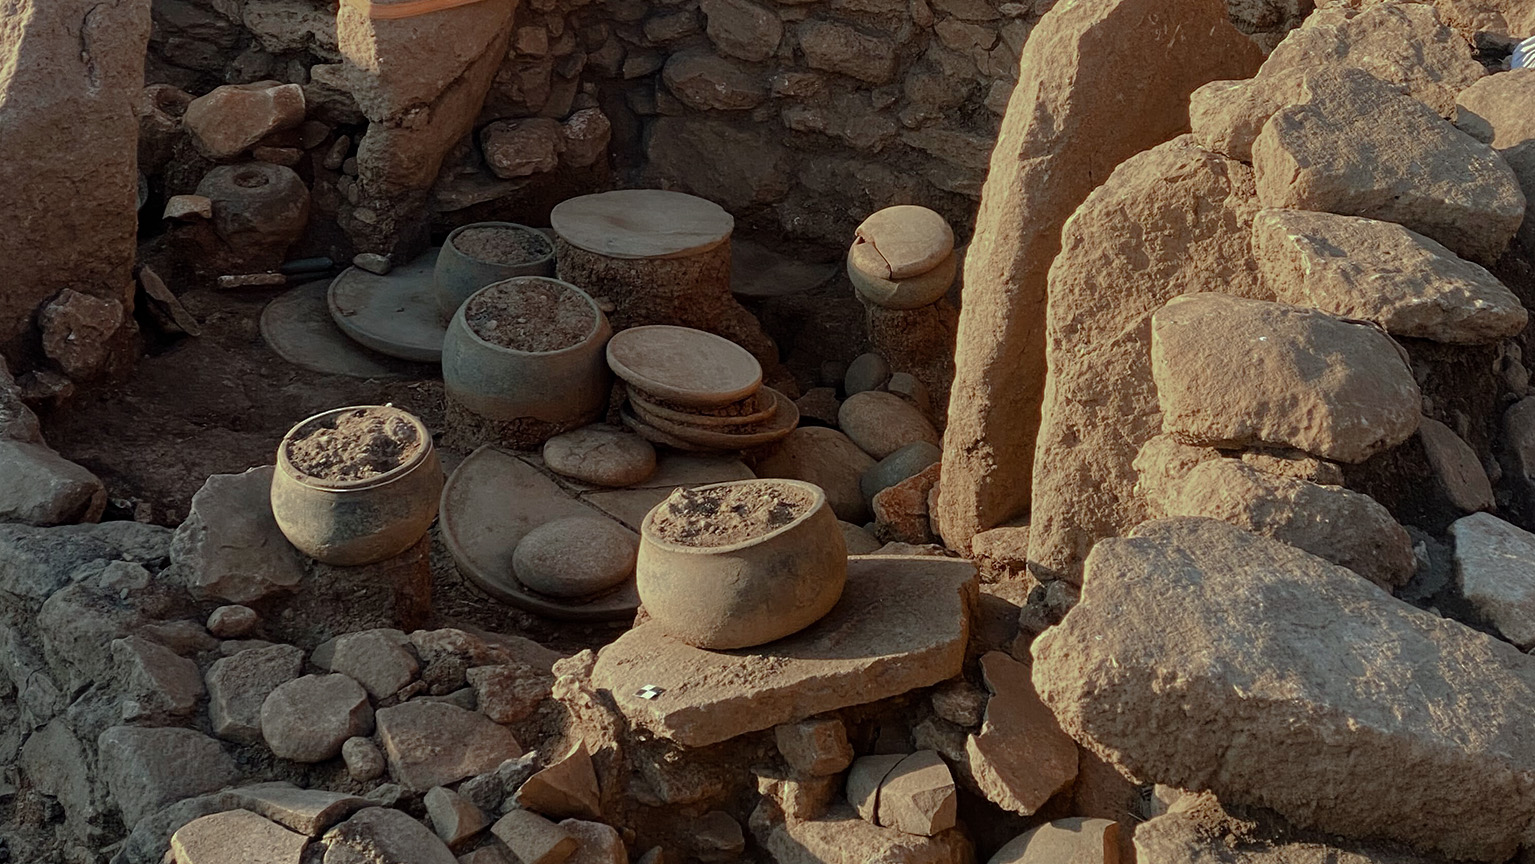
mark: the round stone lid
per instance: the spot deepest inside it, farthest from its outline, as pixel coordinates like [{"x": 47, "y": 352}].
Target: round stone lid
[
  {"x": 684, "y": 366},
  {"x": 642, "y": 223},
  {"x": 900, "y": 242}
]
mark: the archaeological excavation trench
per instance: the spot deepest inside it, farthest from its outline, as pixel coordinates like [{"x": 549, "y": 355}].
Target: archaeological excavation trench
[{"x": 770, "y": 431}]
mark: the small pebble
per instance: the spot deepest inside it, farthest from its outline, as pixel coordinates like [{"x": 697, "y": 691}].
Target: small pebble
[
  {"x": 373, "y": 263},
  {"x": 363, "y": 759},
  {"x": 232, "y": 622},
  {"x": 866, "y": 372}
]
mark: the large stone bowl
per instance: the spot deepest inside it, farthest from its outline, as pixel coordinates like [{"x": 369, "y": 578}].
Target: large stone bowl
[{"x": 748, "y": 593}]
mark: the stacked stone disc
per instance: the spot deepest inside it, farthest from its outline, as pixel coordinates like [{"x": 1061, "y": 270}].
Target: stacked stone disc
[
  {"x": 697, "y": 392},
  {"x": 902, "y": 264}
]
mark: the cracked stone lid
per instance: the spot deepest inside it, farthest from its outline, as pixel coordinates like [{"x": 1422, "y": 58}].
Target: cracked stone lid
[
  {"x": 642, "y": 223},
  {"x": 900, "y": 242}
]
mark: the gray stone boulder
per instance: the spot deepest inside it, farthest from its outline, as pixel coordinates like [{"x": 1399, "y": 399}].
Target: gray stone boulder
[
  {"x": 309, "y": 718},
  {"x": 40, "y": 487},
  {"x": 1357, "y": 146},
  {"x": 1232, "y": 372},
  {"x": 239, "y": 684},
  {"x": 386, "y": 836},
  {"x": 1495, "y": 572},
  {"x": 1317, "y": 695},
  {"x": 1354, "y": 267},
  {"x": 147, "y": 769}
]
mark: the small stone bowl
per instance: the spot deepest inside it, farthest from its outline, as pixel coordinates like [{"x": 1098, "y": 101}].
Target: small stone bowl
[
  {"x": 748, "y": 593},
  {"x": 353, "y": 522}
]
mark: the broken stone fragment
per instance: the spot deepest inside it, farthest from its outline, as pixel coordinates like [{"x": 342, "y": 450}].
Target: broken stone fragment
[
  {"x": 717, "y": 837},
  {"x": 83, "y": 333},
  {"x": 799, "y": 798},
  {"x": 157, "y": 685},
  {"x": 522, "y": 148},
  {"x": 918, "y": 796},
  {"x": 147, "y": 769},
  {"x": 229, "y": 547},
  {"x": 1368, "y": 402},
  {"x": 1021, "y": 757},
  {"x": 40, "y": 487},
  {"x": 566, "y": 788},
  {"x": 901, "y": 511},
  {"x": 1260, "y": 631},
  {"x": 309, "y": 718},
  {"x": 381, "y": 660},
  {"x": 901, "y": 465},
  {"x": 455, "y": 819},
  {"x": 236, "y": 836},
  {"x": 959, "y": 702},
  {"x": 596, "y": 843},
  {"x": 509, "y": 692},
  {"x": 1495, "y": 571},
  {"x": 815, "y": 747},
  {"x": 230, "y": 119},
  {"x": 240, "y": 683},
  {"x": 864, "y": 779},
  {"x": 310, "y": 812},
  {"x": 1456, "y": 467},
  {"x": 232, "y": 622},
  {"x": 901, "y": 242},
  {"x": 1356, "y": 146},
  {"x": 1354, "y": 267},
  {"x": 534, "y": 839},
  {"x": 185, "y": 208},
  {"x": 387, "y": 836},
  {"x": 435, "y": 744},
  {"x": 840, "y": 837},
  {"x": 586, "y": 134},
  {"x": 1496, "y": 109},
  {"x": 1077, "y": 840}
]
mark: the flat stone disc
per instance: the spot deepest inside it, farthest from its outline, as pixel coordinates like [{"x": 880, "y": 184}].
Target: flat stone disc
[
  {"x": 901, "y": 242},
  {"x": 298, "y": 327},
  {"x": 394, "y": 314},
  {"x": 641, "y": 223},
  {"x": 757, "y": 271},
  {"x": 757, "y": 408},
  {"x": 783, "y": 421},
  {"x": 493, "y": 500},
  {"x": 684, "y": 366}
]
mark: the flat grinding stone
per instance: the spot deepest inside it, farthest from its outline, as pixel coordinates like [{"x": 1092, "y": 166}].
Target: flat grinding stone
[
  {"x": 782, "y": 421},
  {"x": 684, "y": 366},
  {"x": 641, "y": 223},
  {"x": 298, "y": 327},
  {"x": 901, "y": 242},
  {"x": 902, "y": 624},
  {"x": 757, "y": 271},
  {"x": 394, "y": 314},
  {"x": 489, "y": 504}
]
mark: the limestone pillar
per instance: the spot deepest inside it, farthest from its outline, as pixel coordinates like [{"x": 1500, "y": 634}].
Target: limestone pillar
[
  {"x": 1099, "y": 81},
  {"x": 70, "y": 71}
]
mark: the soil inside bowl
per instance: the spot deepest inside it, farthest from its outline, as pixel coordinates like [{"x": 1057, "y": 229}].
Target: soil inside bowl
[
  {"x": 356, "y": 445},
  {"x": 530, "y": 316},
  {"x": 501, "y": 245},
  {"x": 727, "y": 515}
]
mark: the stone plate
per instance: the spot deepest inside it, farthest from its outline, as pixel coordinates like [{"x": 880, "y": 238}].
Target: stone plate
[
  {"x": 656, "y": 436},
  {"x": 491, "y": 501},
  {"x": 647, "y": 406},
  {"x": 394, "y": 314},
  {"x": 757, "y": 271},
  {"x": 785, "y": 418},
  {"x": 641, "y": 223},
  {"x": 684, "y": 366},
  {"x": 298, "y": 327}
]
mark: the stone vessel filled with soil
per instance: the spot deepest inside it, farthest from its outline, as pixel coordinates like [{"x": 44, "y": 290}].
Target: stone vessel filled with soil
[
  {"x": 523, "y": 361},
  {"x": 356, "y": 485},
  {"x": 732, "y": 565},
  {"x": 484, "y": 252}
]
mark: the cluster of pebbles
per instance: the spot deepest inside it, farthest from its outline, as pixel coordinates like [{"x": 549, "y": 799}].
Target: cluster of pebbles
[{"x": 697, "y": 392}]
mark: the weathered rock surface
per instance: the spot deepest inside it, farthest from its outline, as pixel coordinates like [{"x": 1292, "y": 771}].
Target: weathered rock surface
[
  {"x": 841, "y": 837},
  {"x": 309, "y": 718},
  {"x": 436, "y": 744},
  {"x": 1020, "y": 757},
  {"x": 157, "y": 684},
  {"x": 231, "y": 119},
  {"x": 1495, "y": 570},
  {"x": 1495, "y": 110},
  {"x": 1356, "y": 146},
  {"x": 898, "y": 466},
  {"x": 1077, "y": 840},
  {"x": 86, "y": 336},
  {"x": 534, "y": 839},
  {"x": 882, "y": 423},
  {"x": 1196, "y": 830},
  {"x": 146, "y": 769},
  {"x": 455, "y": 819},
  {"x": 310, "y": 812},
  {"x": 1456, "y": 467},
  {"x": 522, "y": 148},
  {"x": 383, "y": 834},
  {"x": 363, "y": 759},
  {"x": 40, "y": 487},
  {"x": 602, "y": 455},
  {"x": 1403, "y": 43},
  {"x": 596, "y": 843},
  {"x": 830, "y": 460},
  {"x": 74, "y": 70},
  {"x": 1335, "y": 389},
  {"x": 508, "y": 692},
  {"x": 901, "y": 624},
  {"x": 1330, "y": 522},
  {"x": 238, "y": 685},
  {"x": 1353, "y": 267},
  {"x": 918, "y": 796},
  {"x": 236, "y": 836},
  {"x": 1275, "y": 648},
  {"x": 565, "y": 789},
  {"x": 380, "y": 660},
  {"x": 1135, "y": 244},
  {"x": 815, "y": 747},
  {"x": 1065, "y": 130},
  {"x": 230, "y": 548}
]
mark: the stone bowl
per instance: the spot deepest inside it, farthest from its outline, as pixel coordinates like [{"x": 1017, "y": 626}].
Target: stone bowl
[
  {"x": 566, "y": 388},
  {"x": 353, "y": 522},
  {"x": 747, "y": 593},
  {"x": 458, "y": 276}
]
